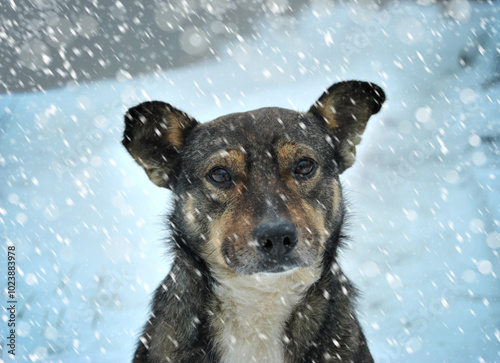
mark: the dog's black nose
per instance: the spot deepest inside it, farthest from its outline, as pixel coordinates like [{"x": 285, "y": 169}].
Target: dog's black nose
[{"x": 276, "y": 239}]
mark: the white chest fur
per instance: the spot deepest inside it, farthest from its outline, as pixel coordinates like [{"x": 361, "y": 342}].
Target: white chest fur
[{"x": 251, "y": 313}]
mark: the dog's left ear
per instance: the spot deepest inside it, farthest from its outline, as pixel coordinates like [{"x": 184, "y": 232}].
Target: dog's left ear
[{"x": 345, "y": 108}]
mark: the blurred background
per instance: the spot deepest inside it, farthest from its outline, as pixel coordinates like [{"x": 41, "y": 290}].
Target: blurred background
[
  {"x": 89, "y": 226},
  {"x": 48, "y": 43}
]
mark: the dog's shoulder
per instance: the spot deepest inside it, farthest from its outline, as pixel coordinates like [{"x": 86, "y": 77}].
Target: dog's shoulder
[{"x": 176, "y": 328}]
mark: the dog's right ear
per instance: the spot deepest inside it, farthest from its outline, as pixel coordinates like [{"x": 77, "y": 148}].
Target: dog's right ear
[{"x": 155, "y": 134}]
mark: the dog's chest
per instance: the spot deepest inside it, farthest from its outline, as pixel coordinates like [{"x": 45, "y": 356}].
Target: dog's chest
[{"x": 250, "y": 316}]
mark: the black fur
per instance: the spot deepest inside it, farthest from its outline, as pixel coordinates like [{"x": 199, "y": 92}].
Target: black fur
[{"x": 174, "y": 150}]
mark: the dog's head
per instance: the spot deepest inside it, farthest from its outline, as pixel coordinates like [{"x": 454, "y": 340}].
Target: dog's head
[{"x": 256, "y": 191}]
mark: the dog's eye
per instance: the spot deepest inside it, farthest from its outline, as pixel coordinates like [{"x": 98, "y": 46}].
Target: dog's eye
[
  {"x": 305, "y": 168},
  {"x": 219, "y": 175}
]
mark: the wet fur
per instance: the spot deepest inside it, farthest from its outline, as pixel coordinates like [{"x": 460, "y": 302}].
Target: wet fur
[{"x": 213, "y": 306}]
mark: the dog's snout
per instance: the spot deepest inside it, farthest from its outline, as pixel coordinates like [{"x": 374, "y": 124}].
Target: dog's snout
[{"x": 276, "y": 239}]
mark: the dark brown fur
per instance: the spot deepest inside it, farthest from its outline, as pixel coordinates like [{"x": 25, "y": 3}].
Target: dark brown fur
[{"x": 216, "y": 226}]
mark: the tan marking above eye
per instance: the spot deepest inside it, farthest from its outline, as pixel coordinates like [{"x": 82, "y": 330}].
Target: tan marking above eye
[
  {"x": 234, "y": 159},
  {"x": 289, "y": 154}
]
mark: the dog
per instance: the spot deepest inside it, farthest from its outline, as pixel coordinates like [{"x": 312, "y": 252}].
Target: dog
[{"x": 257, "y": 222}]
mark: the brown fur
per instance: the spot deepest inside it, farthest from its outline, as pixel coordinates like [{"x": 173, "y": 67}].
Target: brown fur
[{"x": 255, "y": 275}]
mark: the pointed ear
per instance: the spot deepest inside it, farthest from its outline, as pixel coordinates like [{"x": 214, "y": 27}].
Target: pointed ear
[
  {"x": 155, "y": 134},
  {"x": 345, "y": 109}
]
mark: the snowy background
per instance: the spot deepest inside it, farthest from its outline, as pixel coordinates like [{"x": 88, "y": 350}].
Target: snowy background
[{"x": 88, "y": 225}]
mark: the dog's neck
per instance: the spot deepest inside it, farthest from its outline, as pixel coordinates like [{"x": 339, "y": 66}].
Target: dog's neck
[{"x": 250, "y": 313}]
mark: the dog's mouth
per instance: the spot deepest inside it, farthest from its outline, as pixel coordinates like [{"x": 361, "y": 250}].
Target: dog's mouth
[
  {"x": 272, "y": 265},
  {"x": 280, "y": 270},
  {"x": 247, "y": 262}
]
